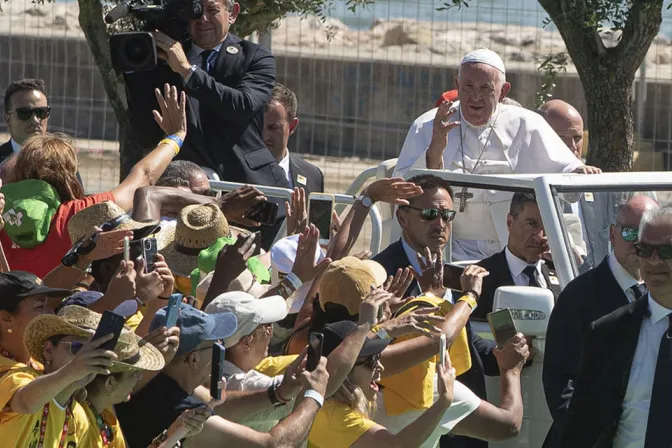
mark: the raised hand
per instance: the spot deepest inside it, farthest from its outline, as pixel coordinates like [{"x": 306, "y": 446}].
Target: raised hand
[
  {"x": 317, "y": 379},
  {"x": 237, "y": 203},
  {"x": 472, "y": 278},
  {"x": 295, "y": 209},
  {"x": 446, "y": 381},
  {"x": 370, "y": 310},
  {"x": 148, "y": 285},
  {"x": 513, "y": 355},
  {"x": 291, "y": 381},
  {"x": 166, "y": 340},
  {"x": 90, "y": 360},
  {"x": 108, "y": 244},
  {"x": 166, "y": 275},
  {"x": 122, "y": 285},
  {"x": 172, "y": 118},
  {"x": 399, "y": 284},
  {"x": 304, "y": 264},
  {"x": 419, "y": 321},
  {"x": 440, "y": 129},
  {"x": 430, "y": 277},
  {"x": 393, "y": 191},
  {"x": 192, "y": 420},
  {"x": 233, "y": 259}
]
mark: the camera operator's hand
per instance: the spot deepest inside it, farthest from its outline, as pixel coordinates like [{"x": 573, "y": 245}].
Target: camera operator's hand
[
  {"x": 173, "y": 115},
  {"x": 172, "y": 52}
]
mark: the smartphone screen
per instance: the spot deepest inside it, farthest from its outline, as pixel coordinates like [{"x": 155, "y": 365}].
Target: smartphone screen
[
  {"x": 217, "y": 371},
  {"x": 109, "y": 323},
  {"x": 442, "y": 350},
  {"x": 173, "y": 310},
  {"x": 451, "y": 276},
  {"x": 314, "y": 350},
  {"x": 149, "y": 251},
  {"x": 319, "y": 213},
  {"x": 502, "y": 326}
]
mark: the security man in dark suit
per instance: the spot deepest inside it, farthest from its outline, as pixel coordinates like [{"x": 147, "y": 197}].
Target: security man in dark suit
[
  {"x": 228, "y": 81},
  {"x": 280, "y": 123},
  {"x": 623, "y": 389},
  {"x": 614, "y": 283},
  {"x": 521, "y": 262}
]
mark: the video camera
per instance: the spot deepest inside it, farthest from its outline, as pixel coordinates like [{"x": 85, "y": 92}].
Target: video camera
[{"x": 135, "y": 51}]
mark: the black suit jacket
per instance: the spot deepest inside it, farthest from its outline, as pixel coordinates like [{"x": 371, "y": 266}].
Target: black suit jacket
[
  {"x": 585, "y": 299},
  {"x": 224, "y": 112},
  {"x": 483, "y": 361},
  {"x": 500, "y": 275},
  {"x": 6, "y": 150},
  {"x": 301, "y": 170},
  {"x": 596, "y": 406}
]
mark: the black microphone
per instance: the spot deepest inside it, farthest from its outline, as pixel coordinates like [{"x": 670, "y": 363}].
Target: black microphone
[{"x": 116, "y": 13}]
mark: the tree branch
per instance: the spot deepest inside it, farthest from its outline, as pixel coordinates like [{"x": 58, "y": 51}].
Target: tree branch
[{"x": 641, "y": 28}]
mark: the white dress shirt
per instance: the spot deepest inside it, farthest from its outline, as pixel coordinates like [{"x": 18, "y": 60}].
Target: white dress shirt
[
  {"x": 15, "y": 146},
  {"x": 517, "y": 266},
  {"x": 195, "y": 51},
  {"x": 624, "y": 279},
  {"x": 631, "y": 431},
  {"x": 284, "y": 164},
  {"x": 254, "y": 381}
]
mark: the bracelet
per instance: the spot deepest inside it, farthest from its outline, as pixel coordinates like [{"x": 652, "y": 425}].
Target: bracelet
[
  {"x": 315, "y": 395},
  {"x": 383, "y": 334},
  {"x": 471, "y": 291},
  {"x": 158, "y": 440},
  {"x": 294, "y": 280},
  {"x": 173, "y": 143},
  {"x": 274, "y": 398},
  {"x": 176, "y": 139}
]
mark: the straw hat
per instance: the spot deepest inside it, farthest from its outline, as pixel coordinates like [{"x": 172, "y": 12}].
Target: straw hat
[
  {"x": 198, "y": 227},
  {"x": 133, "y": 352},
  {"x": 82, "y": 222},
  {"x": 348, "y": 281}
]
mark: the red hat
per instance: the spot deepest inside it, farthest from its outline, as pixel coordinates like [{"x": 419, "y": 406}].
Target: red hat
[{"x": 450, "y": 95}]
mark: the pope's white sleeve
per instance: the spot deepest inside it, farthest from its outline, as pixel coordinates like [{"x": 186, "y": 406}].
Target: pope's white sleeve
[{"x": 548, "y": 153}]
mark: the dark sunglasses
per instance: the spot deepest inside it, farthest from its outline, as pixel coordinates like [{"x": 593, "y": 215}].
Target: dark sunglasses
[
  {"x": 430, "y": 214},
  {"x": 26, "y": 113},
  {"x": 645, "y": 250},
  {"x": 211, "y": 193},
  {"x": 371, "y": 362},
  {"x": 74, "y": 346},
  {"x": 629, "y": 234}
]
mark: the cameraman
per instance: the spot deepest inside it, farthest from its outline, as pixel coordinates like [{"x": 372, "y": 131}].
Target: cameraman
[{"x": 228, "y": 81}]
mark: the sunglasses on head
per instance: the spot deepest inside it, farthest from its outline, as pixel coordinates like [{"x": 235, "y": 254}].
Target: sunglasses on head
[
  {"x": 645, "y": 250},
  {"x": 629, "y": 234},
  {"x": 430, "y": 214},
  {"x": 26, "y": 113},
  {"x": 73, "y": 346},
  {"x": 371, "y": 362}
]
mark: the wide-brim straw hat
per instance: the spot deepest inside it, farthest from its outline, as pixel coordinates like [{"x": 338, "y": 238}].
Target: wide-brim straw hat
[
  {"x": 82, "y": 222},
  {"x": 134, "y": 353},
  {"x": 198, "y": 227}
]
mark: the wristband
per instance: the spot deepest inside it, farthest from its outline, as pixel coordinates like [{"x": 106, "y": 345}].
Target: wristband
[
  {"x": 176, "y": 139},
  {"x": 170, "y": 142},
  {"x": 381, "y": 333},
  {"x": 315, "y": 395},
  {"x": 294, "y": 280}
]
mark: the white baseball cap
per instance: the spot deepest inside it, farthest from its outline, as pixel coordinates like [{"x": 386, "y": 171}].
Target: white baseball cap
[
  {"x": 283, "y": 254},
  {"x": 250, "y": 312}
]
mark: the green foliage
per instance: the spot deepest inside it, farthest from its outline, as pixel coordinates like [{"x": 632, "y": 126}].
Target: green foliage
[
  {"x": 551, "y": 66},
  {"x": 453, "y": 4}
]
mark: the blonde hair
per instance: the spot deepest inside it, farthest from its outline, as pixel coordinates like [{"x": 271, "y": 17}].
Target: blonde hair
[
  {"x": 50, "y": 158},
  {"x": 353, "y": 397}
]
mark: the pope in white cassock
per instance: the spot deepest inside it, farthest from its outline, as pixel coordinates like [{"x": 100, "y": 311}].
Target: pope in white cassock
[{"x": 486, "y": 137}]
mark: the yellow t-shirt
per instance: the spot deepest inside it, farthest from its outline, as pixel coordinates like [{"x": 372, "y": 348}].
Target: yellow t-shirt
[
  {"x": 275, "y": 365},
  {"x": 134, "y": 321},
  {"x": 23, "y": 430},
  {"x": 337, "y": 425},
  {"x": 89, "y": 433}
]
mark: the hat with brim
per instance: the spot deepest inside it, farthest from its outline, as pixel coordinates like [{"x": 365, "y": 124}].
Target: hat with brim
[
  {"x": 335, "y": 334},
  {"x": 198, "y": 227},
  {"x": 134, "y": 353},
  {"x": 82, "y": 222}
]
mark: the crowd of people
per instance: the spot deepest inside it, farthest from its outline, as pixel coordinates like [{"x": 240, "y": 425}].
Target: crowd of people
[{"x": 163, "y": 242}]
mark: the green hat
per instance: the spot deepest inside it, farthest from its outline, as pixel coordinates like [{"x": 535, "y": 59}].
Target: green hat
[
  {"x": 208, "y": 258},
  {"x": 29, "y": 207}
]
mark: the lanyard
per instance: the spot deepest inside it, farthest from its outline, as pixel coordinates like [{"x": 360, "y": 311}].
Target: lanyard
[
  {"x": 105, "y": 430},
  {"x": 43, "y": 426}
]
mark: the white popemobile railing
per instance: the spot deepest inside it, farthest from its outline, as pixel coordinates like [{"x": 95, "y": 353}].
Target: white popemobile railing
[{"x": 339, "y": 199}]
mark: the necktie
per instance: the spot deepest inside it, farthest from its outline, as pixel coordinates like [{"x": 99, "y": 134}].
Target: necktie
[
  {"x": 205, "y": 60},
  {"x": 658, "y": 434},
  {"x": 637, "y": 291},
  {"x": 531, "y": 272}
]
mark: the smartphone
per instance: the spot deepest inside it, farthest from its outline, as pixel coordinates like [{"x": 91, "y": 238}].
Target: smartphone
[
  {"x": 147, "y": 249},
  {"x": 264, "y": 213},
  {"x": 257, "y": 242},
  {"x": 442, "y": 350},
  {"x": 451, "y": 276},
  {"x": 127, "y": 249},
  {"x": 216, "y": 371},
  {"x": 173, "y": 310},
  {"x": 314, "y": 350},
  {"x": 502, "y": 326},
  {"x": 320, "y": 209},
  {"x": 109, "y": 323}
]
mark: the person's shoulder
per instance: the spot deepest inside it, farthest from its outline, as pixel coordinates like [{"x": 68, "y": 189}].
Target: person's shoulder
[
  {"x": 493, "y": 261},
  {"x": 305, "y": 165},
  {"x": 391, "y": 257},
  {"x": 574, "y": 294},
  {"x": 427, "y": 117},
  {"x": 250, "y": 47}
]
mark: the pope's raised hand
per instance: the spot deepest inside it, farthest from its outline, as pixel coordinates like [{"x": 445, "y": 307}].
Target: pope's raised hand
[{"x": 440, "y": 129}]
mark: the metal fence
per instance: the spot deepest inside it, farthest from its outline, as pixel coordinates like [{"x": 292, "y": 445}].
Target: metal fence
[{"x": 361, "y": 78}]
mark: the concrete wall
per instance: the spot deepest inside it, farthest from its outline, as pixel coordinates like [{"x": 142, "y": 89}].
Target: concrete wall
[{"x": 346, "y": 107}]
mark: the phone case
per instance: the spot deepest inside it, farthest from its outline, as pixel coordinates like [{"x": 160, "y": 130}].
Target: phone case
[
  {"x": 173, "y": 310},
  {"x": 109, "y": 323},
  {"x": 314, "y": 351},
  {"x": 217, "y": 370}
]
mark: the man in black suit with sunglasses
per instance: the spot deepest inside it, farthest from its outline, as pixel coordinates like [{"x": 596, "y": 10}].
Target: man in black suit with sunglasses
[
  {"x": 614, "y": 283},
  {"x": 26, "y": 113}
]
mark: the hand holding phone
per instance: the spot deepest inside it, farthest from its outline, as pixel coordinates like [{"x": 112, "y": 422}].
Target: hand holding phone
[
  {"x": 315, "y": 342},
  {"x": 502, "y": 326},
  {"x": 264, "y": 213},
  {"x": 173, "y": 310},
  {"x": 217, "y": 371},
  {"x": 110, "y": 323}
]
